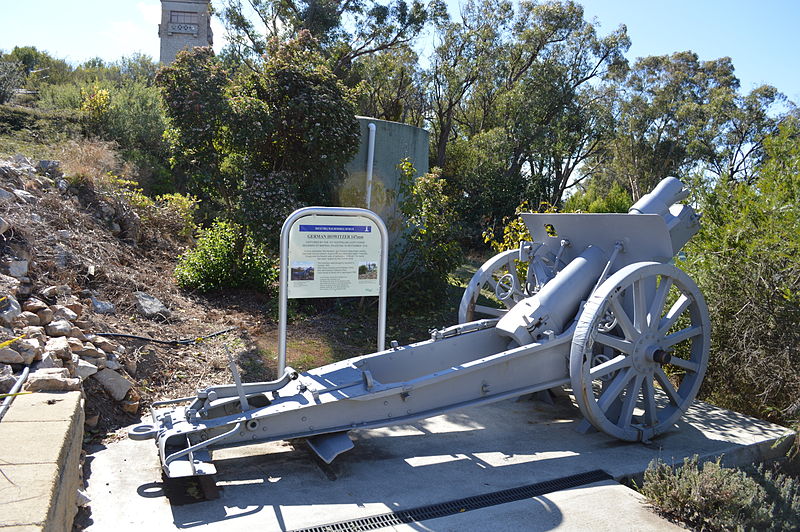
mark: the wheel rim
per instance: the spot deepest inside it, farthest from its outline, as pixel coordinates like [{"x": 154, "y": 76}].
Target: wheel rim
[
  {"x": 635, "y": 378},
  {"x": 496, "y": 277}
]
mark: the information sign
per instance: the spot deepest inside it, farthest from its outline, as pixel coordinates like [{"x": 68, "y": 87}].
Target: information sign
[{"x": 334, "y": 256}]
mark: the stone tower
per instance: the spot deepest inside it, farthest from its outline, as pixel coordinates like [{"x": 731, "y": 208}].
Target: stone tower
[{"x": 184, "y": 24}]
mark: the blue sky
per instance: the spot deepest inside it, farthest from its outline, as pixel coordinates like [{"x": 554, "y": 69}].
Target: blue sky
[{"x": 762, "y": 37}]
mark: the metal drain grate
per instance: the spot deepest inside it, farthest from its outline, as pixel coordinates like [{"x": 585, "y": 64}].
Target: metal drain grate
[{"x": 443, "y": 509}]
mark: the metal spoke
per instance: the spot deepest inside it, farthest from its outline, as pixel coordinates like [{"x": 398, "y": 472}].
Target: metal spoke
[
  {"x": 639, "y": 306},
  {"x": 617, "y": 343},
  {"x": 614, "y": 389},
  {"x": 650, "y": 408},
  {"x": 688, "y": 365},
  {"x": 631, "y": 396},
  {"x": 680, "y": 336},
  {"x": 667, "y": 386},
  {"x": 658, "y": 302},
  {"x": 623, "y": 320},
  {"x": 674, "y": 313},
  {"x": 489, "y": 310},
  {"x": 610, "y": 366}
]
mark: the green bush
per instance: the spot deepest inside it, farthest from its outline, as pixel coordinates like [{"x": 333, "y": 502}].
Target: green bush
[
  {"x": 11, "y": 76},
  {"x": 745, "y": 260},
  {"x": 711, "y": 497},
  {"x": 226, "y": 257},
  {"x": 428, "y": 250},
  {"x": 591, "y": 199}
]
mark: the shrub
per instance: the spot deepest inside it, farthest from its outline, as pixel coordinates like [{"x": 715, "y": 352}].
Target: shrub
[
  {"x": 745, "y": 262},
  {"x": 11, "y": 76},
  {"x": 710, "y": 497},
  {"x": 428, "y": 249},
  {"x": 226, "y": 257},
  {"x": 591, "y": 199}
]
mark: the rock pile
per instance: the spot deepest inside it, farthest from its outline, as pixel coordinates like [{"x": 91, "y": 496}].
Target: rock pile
[{"x": 45, "y": 327}]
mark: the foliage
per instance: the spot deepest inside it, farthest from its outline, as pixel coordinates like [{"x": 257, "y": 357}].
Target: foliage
[
  {"x": 345, "y": 30},
  {"x": 264, "y": 142},
  {"x": 711, "y": 497},
  {"x": 592, "y": 199},
  {"x": 427, "y": 250},
  {"x": 10, "y": 79},
  {"x": 39, "y": 67},
  {"x": 225, "y": 257},
  {"x": 745, "y": 262}
]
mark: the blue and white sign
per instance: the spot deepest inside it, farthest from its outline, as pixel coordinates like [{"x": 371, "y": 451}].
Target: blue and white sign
[{"x": 333, "y": 256}]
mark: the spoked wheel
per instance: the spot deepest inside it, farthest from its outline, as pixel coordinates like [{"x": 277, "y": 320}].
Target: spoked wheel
[
  {"x": 501, "y": 285},
  {"x": 640, "y": 351}
]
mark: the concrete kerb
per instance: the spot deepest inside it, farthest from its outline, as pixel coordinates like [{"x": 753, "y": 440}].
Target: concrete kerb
[{"x": 41, "y": 439}]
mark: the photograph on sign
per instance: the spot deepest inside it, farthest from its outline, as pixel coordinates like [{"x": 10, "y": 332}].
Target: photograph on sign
[{"x": 333, "y": 256}]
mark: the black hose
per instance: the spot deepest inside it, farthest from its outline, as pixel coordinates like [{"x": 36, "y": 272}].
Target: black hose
[{"x": 182, "y": 341}]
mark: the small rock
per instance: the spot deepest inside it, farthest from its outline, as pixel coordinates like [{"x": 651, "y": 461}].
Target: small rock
[
  {"x": 75, "y": 307},
  {"x": 114, "y": 383},
  {"x": 51, "y": 380},
  {"x": 149, "y": 306},
  {"x": 10, "y": 309},
  {"x": 130, "y": 367},
  {"x": 32, "y": 331},
  {"x": 35, "y": 218},
  {"x": 83, "y": 324},
  {"x": 29, "y": 348},
  {"x": 29, "y": 318},
  {"x": 85, "y": 369},
  {"x": 101, "y": 342},
  {"x": 6, "y": 196},
  {"x": 50, "y": 168},
  {"x": 102, "y": 307},
  {"x": 34, "y": 305},
  {"x": 82, "y": 499},
  {"x": 75, "y": 345},
  {"x": 45, "y": 316},
  {"x": 113, "y": 364},
  {"x": 25, "y": 196},
  {"x": 91, "y": 421},
  {"x": 99, "y": 362},
  {"x": 59, "y": 347},
  {"x": 54, "y": 291},
  {"x": 49, "y": 361},
  {"x": 63, "y": 234},
  {"x": 4, "y": 226},
  {"x": 89, "y": 350},
  {"x": 59, "y": 328},
  {"x": 76, "y": 332},
  {"x": 61, "y": 312},
  {"x": 7, "y": 379},
  {"x": 9, "y": 356},
  {"x": 25, "y": 289},
  {"x": 17, "y": 268}
]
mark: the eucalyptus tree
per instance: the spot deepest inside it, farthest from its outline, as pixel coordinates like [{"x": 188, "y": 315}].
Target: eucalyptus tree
[
  {"x": 741, "y": 123},
  {"x": 345, "y": 29},
  {"x": 666, "y": 122},
  {"x": 389, "y": 86}
]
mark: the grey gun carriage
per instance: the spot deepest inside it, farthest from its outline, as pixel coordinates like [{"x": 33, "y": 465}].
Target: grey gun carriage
[{"x": 600, "y": 308}]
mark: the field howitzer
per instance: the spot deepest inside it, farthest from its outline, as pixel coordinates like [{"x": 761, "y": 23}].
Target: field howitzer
[{"x": 599, "y": 308}]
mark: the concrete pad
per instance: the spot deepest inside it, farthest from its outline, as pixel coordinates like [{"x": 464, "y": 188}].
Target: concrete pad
[
  {"x": 600, "y": 507},
  {"x": 280, "y": 486},
  {"x": 50, "y": 406}
]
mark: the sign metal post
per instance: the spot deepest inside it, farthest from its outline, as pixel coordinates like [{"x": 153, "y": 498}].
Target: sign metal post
[{"x": 332, "y": 252}]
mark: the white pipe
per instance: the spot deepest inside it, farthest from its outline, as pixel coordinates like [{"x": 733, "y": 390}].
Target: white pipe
[{"x": 370, "y": 160}]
